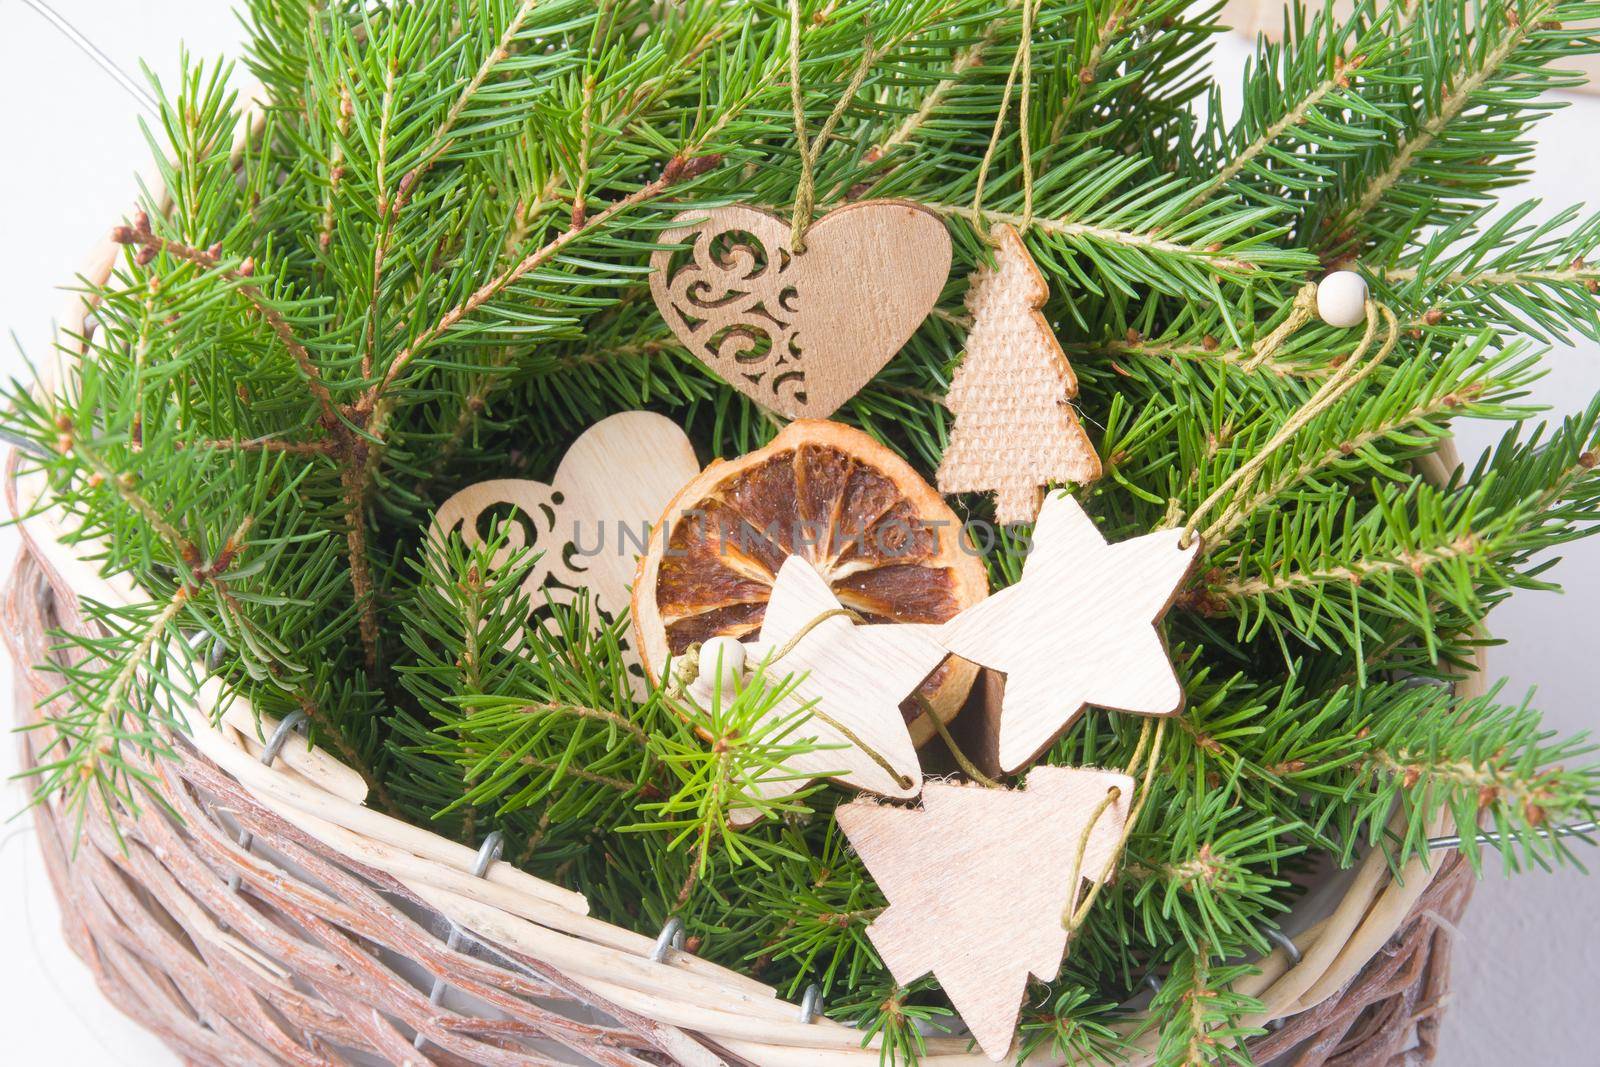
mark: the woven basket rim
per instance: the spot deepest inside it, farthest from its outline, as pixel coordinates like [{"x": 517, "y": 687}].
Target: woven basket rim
[{"x": 311, "y": 790}]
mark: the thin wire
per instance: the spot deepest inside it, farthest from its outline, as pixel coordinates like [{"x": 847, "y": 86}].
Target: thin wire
[
  {"x": 25, "y": 444},
  {"x": 1581, "y": 829},
  {"x": 489, "y": 854},
  {"x": 129, "y": 84}
]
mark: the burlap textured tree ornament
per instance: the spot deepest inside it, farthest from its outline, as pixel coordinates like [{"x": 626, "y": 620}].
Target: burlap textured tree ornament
[{"x": 1015, "y": 430}]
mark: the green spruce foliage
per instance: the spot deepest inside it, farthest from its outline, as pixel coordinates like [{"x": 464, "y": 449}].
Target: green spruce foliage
[{"x": 424, "y": 262}]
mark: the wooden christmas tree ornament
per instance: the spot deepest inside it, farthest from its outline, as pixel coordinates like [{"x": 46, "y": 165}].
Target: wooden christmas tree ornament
[
  {"x": 801, "y": 333},
  {"x": 591, "y": 522},
  {"x": 1015, "y": 430},
  {"x": 1077, "y": 629},
  {"x": 979, "y": 881},
  {"x": 847, "y": 676}
]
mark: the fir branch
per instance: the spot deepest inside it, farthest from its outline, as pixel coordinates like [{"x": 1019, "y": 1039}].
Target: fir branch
[
  {"x": 387, "y": 210},
  {"x": 678, "y": 170},
  {"x": 1477, "y": 761},
  {"x": 335, "y": 171},
  {"x": 1088, "y": 72},
  {"x": 1208, "y": 349},
  {"x": 1450, "y": 106},
  {"x": 1215, "y": 259},
  {"x": 150, "y": 244},
  {"x": 319, "y": 447},
  {"x": 455, "y": 240},
  {"x": 965, "y": 60},
  {"x": 1199, "y": 1016},
  {"x": 1296, "y": 116}
]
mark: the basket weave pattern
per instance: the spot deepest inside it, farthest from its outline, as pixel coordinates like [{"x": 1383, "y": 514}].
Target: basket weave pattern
[{"x": 317, "y": 956}]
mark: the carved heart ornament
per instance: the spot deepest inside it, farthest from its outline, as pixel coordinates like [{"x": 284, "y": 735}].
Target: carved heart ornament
[
  {"x": 800, "y": 333},
  {"x": 592, "y": 520}
]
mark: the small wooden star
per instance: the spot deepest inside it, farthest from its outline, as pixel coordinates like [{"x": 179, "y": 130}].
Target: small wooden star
[
  {"x": 852, "y": 677},
  {"x": 1078, "y": 629}
]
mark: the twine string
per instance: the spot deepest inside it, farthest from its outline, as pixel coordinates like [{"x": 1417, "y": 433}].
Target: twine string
[
  {"x": 805, "y": 195},
  {"x": 1305, "y": 304},
  {"x": 800, "y": 634},
  {"x": 1356, "y": 368},
  {"x": 968, "y": 768},
  {"x": 1029, "y": 9},
  {"x": 1136, "y": 759},
  {"x": 1076, "y": 878},
  {"x": 1023, "y": 61},
  {"x": 1112, "y": 796},
  {"x": 1072, "y": 920}
]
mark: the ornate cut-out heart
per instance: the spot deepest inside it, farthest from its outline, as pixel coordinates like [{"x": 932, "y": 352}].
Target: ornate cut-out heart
[
  {"x": 592, "y": 520},
  {"x": 801, "y": 333}
]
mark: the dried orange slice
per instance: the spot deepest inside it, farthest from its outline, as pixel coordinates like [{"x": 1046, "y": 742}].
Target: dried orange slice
[{"x": 884, "y": 540}]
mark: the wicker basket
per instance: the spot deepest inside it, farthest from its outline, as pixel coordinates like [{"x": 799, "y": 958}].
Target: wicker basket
[{"x": 335, "y": 933}]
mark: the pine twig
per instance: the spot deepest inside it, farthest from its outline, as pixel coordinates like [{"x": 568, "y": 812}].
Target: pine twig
[{"x": 151, "y": 244}]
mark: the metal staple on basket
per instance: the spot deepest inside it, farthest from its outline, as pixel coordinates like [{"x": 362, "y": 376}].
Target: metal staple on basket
[
  {"x": 811, "y": 1004},
  {"x": 269, "y": 755},
  {"x": 489, "y": 852},
  {"x": 671, "y": 937}
]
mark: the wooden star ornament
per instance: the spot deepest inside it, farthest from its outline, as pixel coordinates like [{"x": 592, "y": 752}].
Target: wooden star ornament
[
  {"x": 979, "y": 881},
  {"x": 853, "y": 678},
  {"x": 1078, "y": 629}
]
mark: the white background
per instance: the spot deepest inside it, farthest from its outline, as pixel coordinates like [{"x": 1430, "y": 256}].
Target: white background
[{"x": 1528, "y": 956}]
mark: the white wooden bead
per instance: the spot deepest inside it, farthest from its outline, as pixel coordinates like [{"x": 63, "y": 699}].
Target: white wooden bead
[
  {"x": 1342, "y": 299},
  {"x": 732, "y": 658}
]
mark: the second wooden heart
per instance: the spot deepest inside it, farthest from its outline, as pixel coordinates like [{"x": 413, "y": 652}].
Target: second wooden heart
[
  {"x": 801, "y": 333},
  {"x": 591, "y": 521}
]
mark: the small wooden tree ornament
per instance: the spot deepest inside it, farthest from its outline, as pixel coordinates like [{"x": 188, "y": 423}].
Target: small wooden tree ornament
[
  {"x": 801, "y": 333},
  {"x": 979, "y": 882},
  {"x": 1077, "y": 629},
  {"x": 850, "y": 676},
  {"x": 591, "y": 521},
  {"x": 1015, "y": 430}
]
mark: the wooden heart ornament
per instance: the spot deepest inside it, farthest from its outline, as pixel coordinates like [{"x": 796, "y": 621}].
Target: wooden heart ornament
[
  {"x": 591, "y": 521},
  {"x": 800, "y": 333}
]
